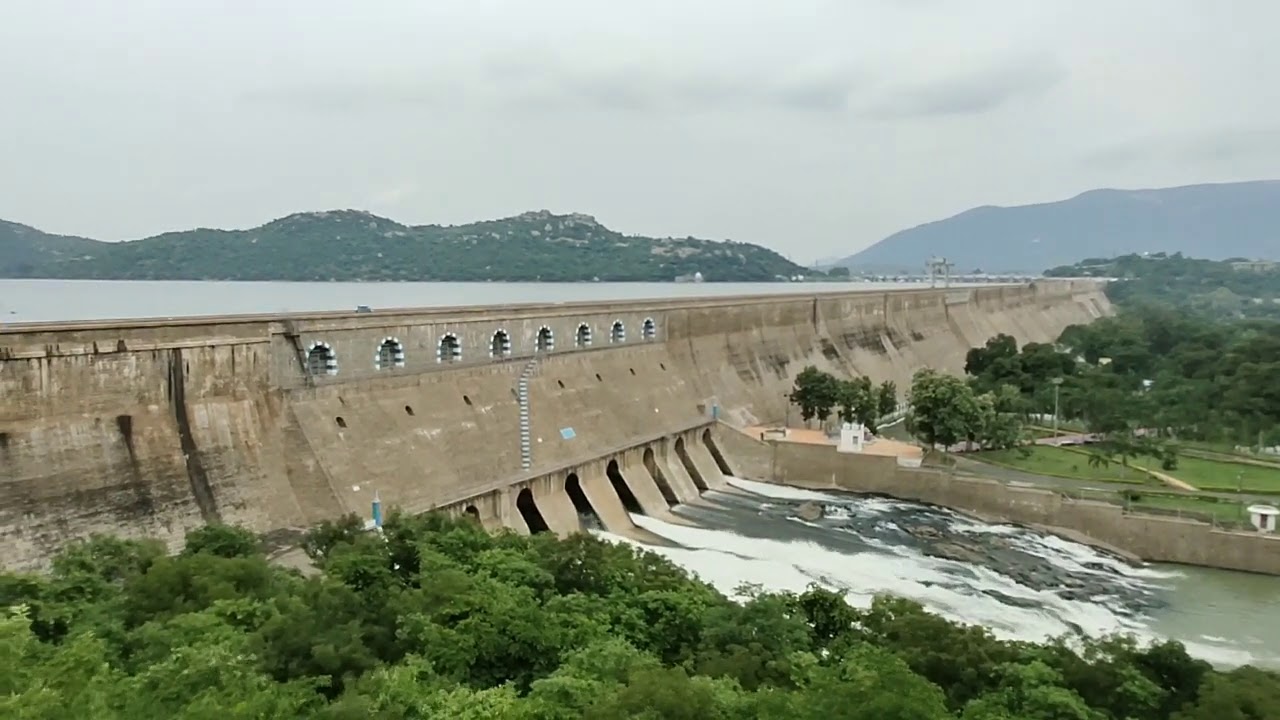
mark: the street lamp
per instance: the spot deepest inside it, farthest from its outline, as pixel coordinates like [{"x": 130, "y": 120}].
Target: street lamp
[{"x": 1057, "y": 383}]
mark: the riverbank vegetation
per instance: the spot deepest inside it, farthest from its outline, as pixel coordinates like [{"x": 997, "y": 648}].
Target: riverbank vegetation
[{"x": 437, "y": 619}]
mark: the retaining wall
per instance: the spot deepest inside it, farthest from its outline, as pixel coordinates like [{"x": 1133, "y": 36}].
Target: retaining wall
[{"x": 1152, "y": 538}]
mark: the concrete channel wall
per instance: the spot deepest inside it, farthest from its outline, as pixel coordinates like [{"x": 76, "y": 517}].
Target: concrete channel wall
[
  {"x": 276, "y": 422},
  {"x": 1152, "y": 538}
]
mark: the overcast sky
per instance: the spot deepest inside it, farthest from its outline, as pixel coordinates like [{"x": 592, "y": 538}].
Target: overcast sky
[{"x": 815, "y": 127}]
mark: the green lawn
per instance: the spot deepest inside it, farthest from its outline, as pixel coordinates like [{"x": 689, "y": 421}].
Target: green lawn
[
  {"x": 1060, "y": 462},
  {"x": 1204, "y": 474},
  {"x": 1228, "y": 476}
]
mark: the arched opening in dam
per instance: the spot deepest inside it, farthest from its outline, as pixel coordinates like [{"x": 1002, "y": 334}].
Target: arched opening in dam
[
  {"x": 546, "y": 341},
  {"x": 651, "y": 464},
  {"x": 321, "y": 360},
  {"x": 449, "y": 350},
  {"x": 620, "y": 487},
  {"x": 618, "y": 333},
  {"x": 649, "y": 330},
  {"x": 500, "y": 346},
  {"x": 390, "y": 354},
  {"x": 716, "y": 455},
  {"x": 683, "y": 453},
  {"x": 528, "y": 508},
  {"x": 583, "y": 337},
  {"x": 471, "y": 512},
  {"x": 587, "y": 515}
]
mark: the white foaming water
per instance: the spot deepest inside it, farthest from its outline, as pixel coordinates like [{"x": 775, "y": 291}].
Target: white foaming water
[{"x": 959, "y": 591}]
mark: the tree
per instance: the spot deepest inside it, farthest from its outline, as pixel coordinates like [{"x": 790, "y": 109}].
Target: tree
[
  {"x": 816, "y": 392},
  {"x": 857, "y": 402},
  {"x": 997, "y": 429},
  {"x": 944, "y": 409},
  {"x": 887, "y": 398},
  {"x": 978, "y": 361},
  {"x": 433, "y": 617}
]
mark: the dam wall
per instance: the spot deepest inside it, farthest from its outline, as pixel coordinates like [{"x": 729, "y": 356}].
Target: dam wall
[
  {"x": 1150, "y": 537},
  {"x": 276, "y": 422}
]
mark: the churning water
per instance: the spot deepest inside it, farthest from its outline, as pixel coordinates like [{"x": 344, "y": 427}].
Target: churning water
[{"x": 1020, "y": 583}]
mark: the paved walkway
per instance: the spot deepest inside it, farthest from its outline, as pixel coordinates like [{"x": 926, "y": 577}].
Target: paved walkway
[{"x": 879, "y": 446}]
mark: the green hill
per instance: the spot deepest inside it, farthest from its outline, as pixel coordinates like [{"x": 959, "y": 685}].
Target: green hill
[
  {"x": 356, "y": 245},
  {"x": 1232, "y": 288},
  {"x": 1210, "y": 221}
]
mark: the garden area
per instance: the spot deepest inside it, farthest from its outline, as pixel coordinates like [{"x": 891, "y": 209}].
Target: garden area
[{"x": 1076, "y": 463}]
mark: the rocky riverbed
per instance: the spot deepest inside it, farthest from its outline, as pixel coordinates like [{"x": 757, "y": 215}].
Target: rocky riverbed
[{"x": 1030, "y": 558}]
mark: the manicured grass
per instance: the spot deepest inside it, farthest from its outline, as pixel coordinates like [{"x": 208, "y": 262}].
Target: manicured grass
[
  {"x": 1226, "y": 476},
  {"x": 1060, "y": 462},
  {"x": 1226, "y": 453},
  {"x": 1204, "y": 474}
]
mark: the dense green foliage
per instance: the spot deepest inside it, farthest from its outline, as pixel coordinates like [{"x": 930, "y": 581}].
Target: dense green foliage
[
  {"x": 1218, "y": 290},
  {"x": 946, "y": 410},
  {"x": 818, "y": 394},
  {"x": 352, "y": 245},
  {"x": 1218, "y": 220},
  {"x": 1162, "y": 370},
  {"x": 437, "y": 619}
]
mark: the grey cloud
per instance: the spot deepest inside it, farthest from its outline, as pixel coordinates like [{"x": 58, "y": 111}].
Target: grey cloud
[
  {"x": 971, "y": 93},
  {"x": 812, "y": 125},
  {"x": 1225, "y": 147},
  {"x": 545, "y": 82}
]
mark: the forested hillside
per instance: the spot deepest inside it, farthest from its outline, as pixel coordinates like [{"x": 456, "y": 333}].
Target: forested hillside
[
  {"x": 353, "y": 245},
  {"x": 1232, "y": 288}
]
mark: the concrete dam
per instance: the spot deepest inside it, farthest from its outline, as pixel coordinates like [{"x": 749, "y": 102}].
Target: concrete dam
[{"x": 519, "y": 415}]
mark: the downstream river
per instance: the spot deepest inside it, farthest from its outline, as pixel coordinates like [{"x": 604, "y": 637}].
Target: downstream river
[{"x": 1019, "y": 583}]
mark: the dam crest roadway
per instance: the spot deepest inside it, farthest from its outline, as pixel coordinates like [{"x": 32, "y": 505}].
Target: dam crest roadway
[{"x": 520, "y": 415}]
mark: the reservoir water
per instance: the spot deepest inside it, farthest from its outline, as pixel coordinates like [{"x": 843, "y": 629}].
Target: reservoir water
[
  {"x": 23, "y": 301},
  {"x": 1020, "y": 584}
]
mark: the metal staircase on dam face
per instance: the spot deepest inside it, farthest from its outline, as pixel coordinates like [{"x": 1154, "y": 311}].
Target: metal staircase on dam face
[
  {"x": 295, "y": 338},
  {"x": 522, "y": 396}
]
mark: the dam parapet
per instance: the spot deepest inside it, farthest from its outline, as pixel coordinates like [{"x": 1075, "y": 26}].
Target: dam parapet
[{"x": 277, "y": 422}]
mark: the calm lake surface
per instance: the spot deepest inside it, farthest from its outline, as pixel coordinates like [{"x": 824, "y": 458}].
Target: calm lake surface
[
  {"x": 1226, "y": 617},
  {"x": 23, "y": 301}
]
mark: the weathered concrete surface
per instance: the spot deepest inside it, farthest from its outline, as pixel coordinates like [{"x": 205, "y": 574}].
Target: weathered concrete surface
[
  {"x": 1152, "y": 538},
  {"x": 155, "y": 427},
  {"x": 604, "y": 501}
]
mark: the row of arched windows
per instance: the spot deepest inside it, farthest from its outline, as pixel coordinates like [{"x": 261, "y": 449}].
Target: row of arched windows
[{"x": 322, "y": 360}]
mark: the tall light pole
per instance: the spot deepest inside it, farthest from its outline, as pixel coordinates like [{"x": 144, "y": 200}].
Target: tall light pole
[{"x": 1057, "y": 383}]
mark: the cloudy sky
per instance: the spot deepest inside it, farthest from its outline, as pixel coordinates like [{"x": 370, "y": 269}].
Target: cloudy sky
[{"x": 815, "y": 127}]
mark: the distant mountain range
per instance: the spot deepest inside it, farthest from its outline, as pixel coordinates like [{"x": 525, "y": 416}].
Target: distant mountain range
[
  {"x": 355, "y": 245},
  {"x": 1215, "y": 221}
]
